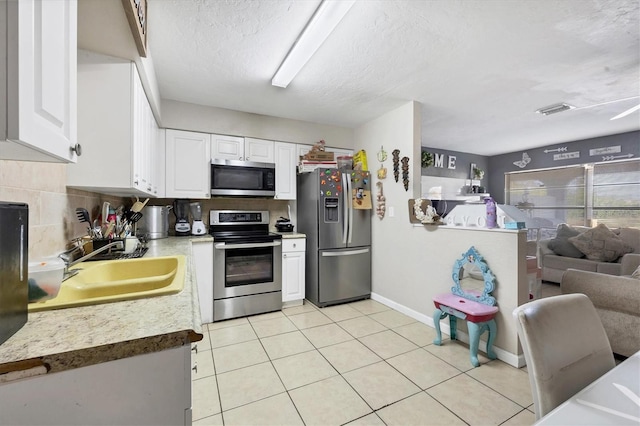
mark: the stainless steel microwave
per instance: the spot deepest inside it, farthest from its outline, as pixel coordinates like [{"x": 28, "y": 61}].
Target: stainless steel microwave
[{"x": 243, "y": 178}]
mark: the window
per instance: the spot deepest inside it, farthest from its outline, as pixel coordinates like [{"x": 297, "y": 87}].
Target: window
[
  {"x": 586, "y": 194},
  {"x": 616, "y": 194}
]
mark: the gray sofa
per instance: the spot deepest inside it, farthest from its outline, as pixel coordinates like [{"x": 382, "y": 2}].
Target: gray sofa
[
  {"x": 617, "y": 301},
  {"x": 554, "y": 265}
]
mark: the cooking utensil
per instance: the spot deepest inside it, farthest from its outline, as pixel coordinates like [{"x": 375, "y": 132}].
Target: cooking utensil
[
  {"x": 105, "y": 212},
  {"x": 133, "y": 217},
  {"x": 83, "y": 216},
  {"x": 138, "y": 206}
]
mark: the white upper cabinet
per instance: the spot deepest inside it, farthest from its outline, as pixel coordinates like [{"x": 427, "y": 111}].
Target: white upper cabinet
[
  {"x": 227, "y": 148},
  {"x": 242, "y": 149},
  {"x": 116, "y": 129},
  {"x": 38, "y": 80},
  {"x": 259, "y": 150},
  {"x": 285, "y": 160},
  {"x": 188, "y": 164}
]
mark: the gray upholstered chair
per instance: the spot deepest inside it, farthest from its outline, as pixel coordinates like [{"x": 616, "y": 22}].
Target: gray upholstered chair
[{"x": 565, "y": 347}]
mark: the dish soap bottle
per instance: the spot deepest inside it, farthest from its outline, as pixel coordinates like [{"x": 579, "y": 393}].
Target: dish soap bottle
[{"x": 491, "y": 212}]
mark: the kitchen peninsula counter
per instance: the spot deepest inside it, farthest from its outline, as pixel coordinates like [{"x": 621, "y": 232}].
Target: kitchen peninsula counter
[{"x": 63, "y": 339}]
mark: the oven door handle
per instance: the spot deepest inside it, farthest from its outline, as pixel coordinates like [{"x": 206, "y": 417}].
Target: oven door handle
[{"x": 225, "y": 246}]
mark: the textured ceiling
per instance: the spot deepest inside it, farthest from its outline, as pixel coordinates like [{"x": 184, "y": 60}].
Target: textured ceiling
[{"x": 479, "y": 68}]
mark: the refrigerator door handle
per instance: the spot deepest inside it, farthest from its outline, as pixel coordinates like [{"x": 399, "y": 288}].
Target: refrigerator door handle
[
  {"x": 350, "y": 205},
  {"x": 344, "y": 253},
  {"x": 345, "y": 211}
]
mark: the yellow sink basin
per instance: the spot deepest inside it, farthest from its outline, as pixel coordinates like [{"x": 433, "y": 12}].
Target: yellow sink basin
[{"x": 116, "y": 280}]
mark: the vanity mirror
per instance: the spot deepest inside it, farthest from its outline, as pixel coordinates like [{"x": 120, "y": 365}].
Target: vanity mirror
[
  {"x": 472, "y": 278},
  {"x": 470, "y": 300}
]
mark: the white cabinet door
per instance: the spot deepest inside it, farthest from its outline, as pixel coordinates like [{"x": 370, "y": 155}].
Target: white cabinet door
[
  {"x": 157, "y": 160},
  {"x": 285, "y": 159},
  {"x": 227, "y": 147},
  {"x": 115, "y": 125},
  {"x": 153, "y": 389},
  {"x": 141, "y": 147},
  {"x": 259, "y": 150},
  {"x": 188, "y": 171},
  {"x": 202, "y": 252},
  {"x": 293, "y": 270},
  {"x": 40, "y": 78}
]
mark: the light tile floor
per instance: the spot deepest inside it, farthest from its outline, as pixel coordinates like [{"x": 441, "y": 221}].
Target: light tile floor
[{"x": 360, "y": 363}]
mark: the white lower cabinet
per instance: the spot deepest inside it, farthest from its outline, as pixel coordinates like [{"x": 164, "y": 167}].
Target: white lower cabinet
[
  {"x": 202, "y": 252},
  {"x": 149, "y": 389},
  {"x": 293, "y": 252}
]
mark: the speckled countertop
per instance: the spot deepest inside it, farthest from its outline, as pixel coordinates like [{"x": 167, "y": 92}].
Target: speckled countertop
[{"x": 74, "y": 337}]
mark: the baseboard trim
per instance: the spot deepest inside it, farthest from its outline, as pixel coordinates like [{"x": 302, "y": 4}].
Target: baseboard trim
[{"x": 504, "y": 356}]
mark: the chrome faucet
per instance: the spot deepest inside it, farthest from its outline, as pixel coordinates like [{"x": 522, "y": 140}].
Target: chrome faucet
[{"x": 68, "y": 263}]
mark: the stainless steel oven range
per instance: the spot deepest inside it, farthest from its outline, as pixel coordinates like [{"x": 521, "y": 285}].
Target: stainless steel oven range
[{"x": 247, "y": 264}]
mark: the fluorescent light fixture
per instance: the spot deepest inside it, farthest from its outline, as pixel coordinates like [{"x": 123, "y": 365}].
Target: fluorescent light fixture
[
  {"x": 627, "y": 112},
  {"x": 553, "y": 109},
  {"x": 322, "y": 23}
]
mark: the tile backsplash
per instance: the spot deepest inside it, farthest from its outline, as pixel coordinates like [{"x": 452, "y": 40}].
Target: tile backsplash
[
  {"x": 52, "y": 217},
  {"x": 276, "y": 208}
]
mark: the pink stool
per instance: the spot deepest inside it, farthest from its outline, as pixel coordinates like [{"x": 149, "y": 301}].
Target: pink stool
[{"x": 479, "y": 316}]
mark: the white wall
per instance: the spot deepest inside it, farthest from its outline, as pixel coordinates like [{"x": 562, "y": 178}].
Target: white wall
[
  {"x": 411, "y": 264},
  {"x": 199, "y": 118}
]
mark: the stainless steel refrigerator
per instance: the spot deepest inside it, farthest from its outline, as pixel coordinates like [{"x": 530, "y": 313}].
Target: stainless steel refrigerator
[{"x": 334, "y": 211}]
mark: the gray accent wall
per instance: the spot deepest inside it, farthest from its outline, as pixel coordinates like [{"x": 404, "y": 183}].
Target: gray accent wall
[
  {"x": 462, "y": 168},
  {"x": 595, "y": 150}
]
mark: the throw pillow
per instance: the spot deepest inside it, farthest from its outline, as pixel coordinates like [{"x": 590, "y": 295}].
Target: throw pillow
[
  {"x": 561, "y": 244},
  {"x": 601, "y": 244},
  {"x": 636, "y": 274}
]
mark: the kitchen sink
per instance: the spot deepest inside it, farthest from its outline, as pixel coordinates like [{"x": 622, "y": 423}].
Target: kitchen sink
[{"x": 116, "y": 280}]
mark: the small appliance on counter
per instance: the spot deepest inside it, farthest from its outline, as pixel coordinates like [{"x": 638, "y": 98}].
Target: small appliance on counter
[
  {"x": 197, "y": 227},
  {"x": 154, "y": 224},
  {"x": 284, "y": 225},
  {"x": 181, "y": 211},
  {"x": 14, "y": 267}
]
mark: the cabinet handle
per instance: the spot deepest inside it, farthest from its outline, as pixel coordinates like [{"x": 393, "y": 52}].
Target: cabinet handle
[
  {"x": 195, "y": 348},
  {"x": 284, "y": 255},
  {"x": 77, "y": 148},
  {"x": 195, "y": 368},
  {"x": 135, "y": 182}
]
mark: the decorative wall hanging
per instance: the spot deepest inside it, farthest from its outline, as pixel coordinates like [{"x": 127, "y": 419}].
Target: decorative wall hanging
[
  {"x": 525, "y": 160},
  {"x": 421, "y": 211},
  {"x": 396, "y": 163},
  {"x": 381, "y": 201},
  {"x": 382, "y": 157},
  {"x": 405, "y": 172}
]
